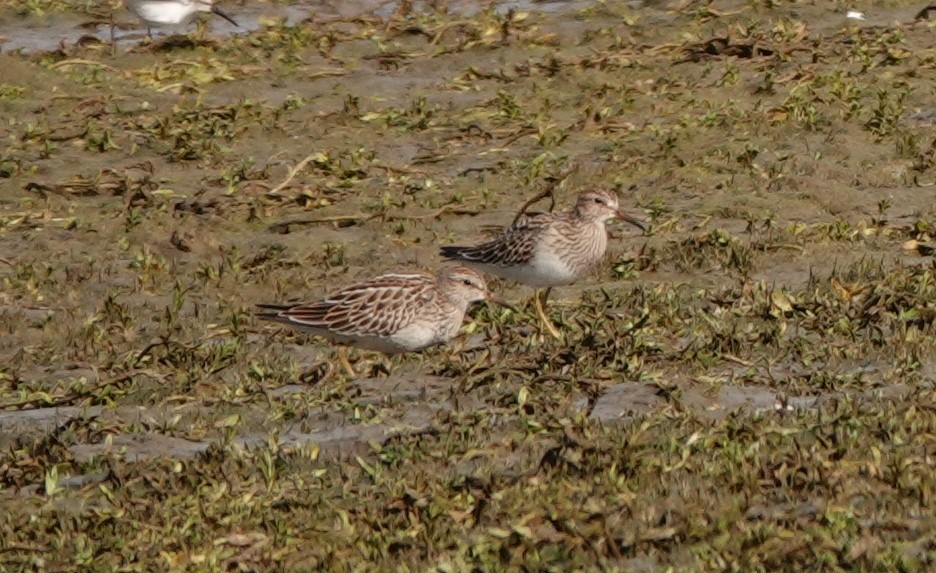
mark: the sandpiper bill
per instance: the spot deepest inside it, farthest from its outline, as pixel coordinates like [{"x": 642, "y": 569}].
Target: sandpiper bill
[
  {"x": 392, "y": 313},
  {"x": 549, "y": 249},
  {"x": 172, "y": 12}
]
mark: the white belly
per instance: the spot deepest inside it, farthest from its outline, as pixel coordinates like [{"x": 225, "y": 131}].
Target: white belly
[
  {"x": 412, "y": 338},
  {"x": 163, "y": 12},
  {"x": 421, "y": 334},
  {"x": 540, "y": 272}
]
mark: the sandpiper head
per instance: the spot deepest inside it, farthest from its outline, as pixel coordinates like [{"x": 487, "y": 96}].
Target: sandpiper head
[
  {"x": 464, "y": 285},
  {"x": 601, "y": 205}
]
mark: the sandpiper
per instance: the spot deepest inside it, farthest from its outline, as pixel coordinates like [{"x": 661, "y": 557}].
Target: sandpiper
[
  {"x": 172, "y": 12},
  {"x": 549, "y": 249},
  {"x": 392, "y": 313}
]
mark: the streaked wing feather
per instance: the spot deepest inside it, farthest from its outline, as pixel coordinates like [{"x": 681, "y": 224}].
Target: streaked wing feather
[
  {"x": 273, "y": 307},
  {"x": 378, "y": 307},
  {"x": 515, "y": 246}
]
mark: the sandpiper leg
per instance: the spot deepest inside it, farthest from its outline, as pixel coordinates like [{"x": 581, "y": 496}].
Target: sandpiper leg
[
  {"x": 542, "y": 313},
  {"x": 343, "y": 360},
  {"x": 113, "y": 35}
]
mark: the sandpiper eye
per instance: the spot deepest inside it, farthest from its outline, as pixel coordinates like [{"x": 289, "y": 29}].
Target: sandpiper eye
[
  {"x": 598, "y": 200},
  {"x": 467, "y": 282}
]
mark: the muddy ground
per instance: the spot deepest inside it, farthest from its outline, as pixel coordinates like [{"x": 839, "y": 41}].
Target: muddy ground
[{"x": 749, "y": 387}]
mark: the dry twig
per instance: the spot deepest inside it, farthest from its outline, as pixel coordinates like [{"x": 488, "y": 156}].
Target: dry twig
[{"x": 547, "y": 192}]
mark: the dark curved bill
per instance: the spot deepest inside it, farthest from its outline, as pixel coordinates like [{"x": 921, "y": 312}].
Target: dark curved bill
[
  {"x": 218, "y": 11},
  {"x": 502, "y": 303},
  {"x": 632, "y": 220}
]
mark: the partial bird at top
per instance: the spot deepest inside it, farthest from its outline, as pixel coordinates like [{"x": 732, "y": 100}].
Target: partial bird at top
[{"x": 172, "y": 12}]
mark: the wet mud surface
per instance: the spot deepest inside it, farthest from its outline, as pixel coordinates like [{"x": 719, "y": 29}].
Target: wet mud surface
[{"x": 769, "y": 343}]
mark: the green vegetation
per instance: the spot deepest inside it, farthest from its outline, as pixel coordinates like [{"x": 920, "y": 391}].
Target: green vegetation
[{"x": 750, "y": 388}]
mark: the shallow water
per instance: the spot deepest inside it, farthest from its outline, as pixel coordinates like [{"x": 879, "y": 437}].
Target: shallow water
[{"x": 42, "y": 33}]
